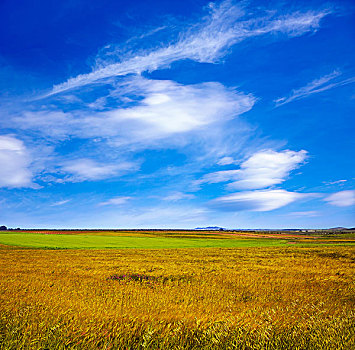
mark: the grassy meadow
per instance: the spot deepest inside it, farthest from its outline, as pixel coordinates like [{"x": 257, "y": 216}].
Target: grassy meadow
[{"x": 240, "y": 295}]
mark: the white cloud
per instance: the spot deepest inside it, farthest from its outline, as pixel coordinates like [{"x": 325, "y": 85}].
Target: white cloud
[
  {"x": 87, "y": 169},
  {"x": 168, "y": 107},
  {"x": 160, "y": 108},
  {"x": 207, "y": 41},
  {"x": 15, "y": 161},
  {"x": 59, "y": 203},
  {"x": 177, "y": 196},
  {"x": 342, "y": 198},
  {"x": 262, "y": 169},
  {"x": 309, "y": 213},
  {"x": 263, "y": 200},
  {"x": 226, "y": 161},
  {"x": 337, "y": 182},
  {"x": 55, "y": 124},
  {"x": 267, "y": 168},
  {"x": 314, "y": 87},
  {"x": 116, "y": 201},
  {"x": 220, "y": 176}
]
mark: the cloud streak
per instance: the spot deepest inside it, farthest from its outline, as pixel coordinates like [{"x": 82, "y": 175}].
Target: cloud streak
[
  {"x": 116, "y": 201},
  {"x": 178, "y": 196},
  {"x": 89, "y": 170},
  {"x": 342, "y": 198},
  {"x": 316, "y": 86},
  {"x": 56, "y": 204},
  {"x": 205, "y": 42}
]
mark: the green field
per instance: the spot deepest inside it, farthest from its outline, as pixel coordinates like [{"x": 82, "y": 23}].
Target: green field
[{"x": 63, "y": 241}]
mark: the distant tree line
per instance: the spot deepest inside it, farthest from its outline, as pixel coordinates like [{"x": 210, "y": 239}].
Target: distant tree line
[{"x": 4, "y": 228}]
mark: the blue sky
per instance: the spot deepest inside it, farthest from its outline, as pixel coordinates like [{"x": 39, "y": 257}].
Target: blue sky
[{"x": 177, "y": 114}]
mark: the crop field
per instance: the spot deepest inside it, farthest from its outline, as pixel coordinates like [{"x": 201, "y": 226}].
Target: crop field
[
  {"x": 69, "y": 241},
  {"x": 219, "y": 291}
]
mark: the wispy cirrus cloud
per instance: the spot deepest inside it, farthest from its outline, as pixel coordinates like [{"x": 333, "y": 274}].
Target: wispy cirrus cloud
[
  {"x": 116, "y": 201},
  {"x": 316, "y": 86},
  {"x": 90, "y": 170},
  {"x": 226, "y": 161},
  {"x": 308, "y": 213},
  {"x": 207, "y": 41},
  {"x": 336, "y": 182},
  {"x": 342, "y": 198},
  {"x": 59, "y": 203},
  {"x": 262, "y": 169},
  {"x": 178, "y": 196}
]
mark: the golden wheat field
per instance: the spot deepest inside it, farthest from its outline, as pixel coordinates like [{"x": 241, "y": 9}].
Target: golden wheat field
[{"x": 291, "y": 297}]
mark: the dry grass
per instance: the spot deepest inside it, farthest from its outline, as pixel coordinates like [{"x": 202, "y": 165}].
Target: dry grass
[{"x": 247, "y": 298}]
